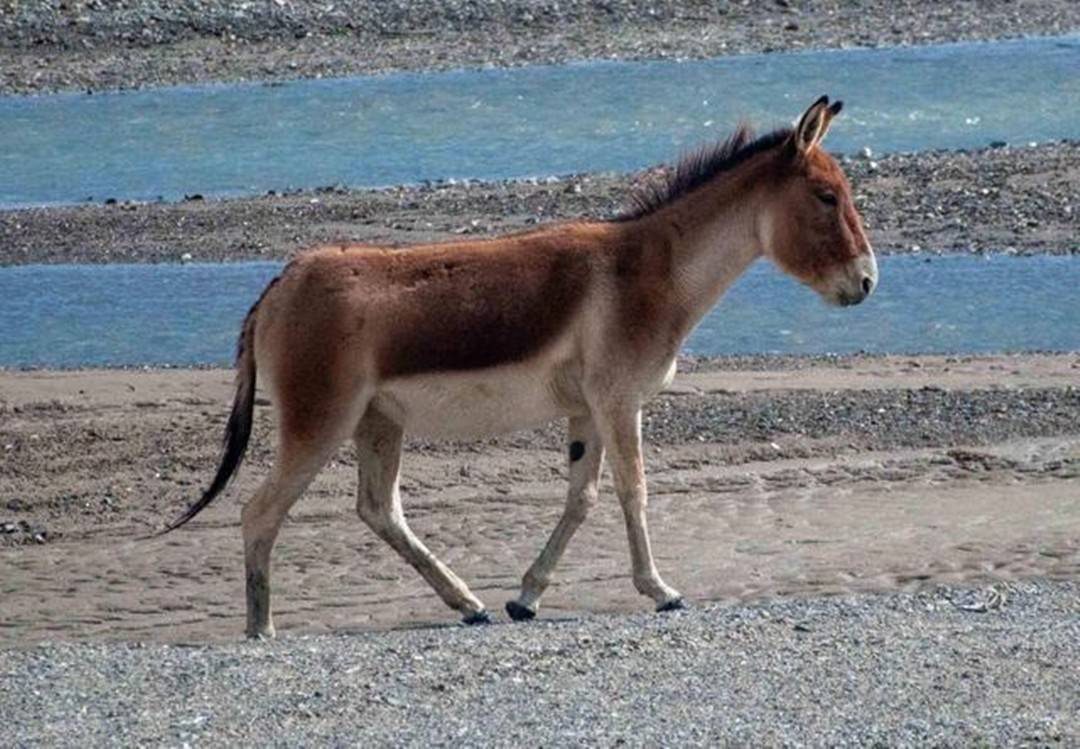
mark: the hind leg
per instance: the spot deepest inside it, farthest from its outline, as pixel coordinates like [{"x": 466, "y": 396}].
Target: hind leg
[
  {"x": 378, "y": 447},
  {"x": 262, "y": 517},
  {"x": 311, "y": 426}
]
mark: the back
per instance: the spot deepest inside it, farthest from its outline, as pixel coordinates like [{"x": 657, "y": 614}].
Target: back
[{"x": 448, "y": 307}]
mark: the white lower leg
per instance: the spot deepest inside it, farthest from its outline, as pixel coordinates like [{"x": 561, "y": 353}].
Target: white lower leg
[
  {"x": 449, "y": 587},
  {"x": 378, "y": 442},
  {"x": 261, "y": 521},
  {"x": 586, "y": 460},
  {"x": 538, "y": 577},
  {"x": 647, "y": 579},
  {"x": 622, "y": 436}
]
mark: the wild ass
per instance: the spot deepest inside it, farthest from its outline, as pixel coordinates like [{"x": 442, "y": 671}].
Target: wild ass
[{"x": 468, "y": 338}]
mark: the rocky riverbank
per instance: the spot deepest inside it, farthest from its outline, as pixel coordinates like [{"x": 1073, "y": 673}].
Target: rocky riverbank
[
  {"x": 1007, "y": 199},
  {"x": 51, "y": 45},
  {"x": 983, "y": 666}
]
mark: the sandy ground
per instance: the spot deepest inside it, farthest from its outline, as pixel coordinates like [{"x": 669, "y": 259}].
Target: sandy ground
[
  {"x": 47, "y": 45},
  {"x": 821, "y": 478},
  {"x": 1018, "y": 200}
]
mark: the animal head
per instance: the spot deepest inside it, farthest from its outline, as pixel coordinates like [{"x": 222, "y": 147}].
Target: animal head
[{"x": 810, "y": 227}]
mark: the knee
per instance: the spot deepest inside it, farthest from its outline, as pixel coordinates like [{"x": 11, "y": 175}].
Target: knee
[
  {"x": 581, "y": 503},
  {"x": 633, "y": 499}
]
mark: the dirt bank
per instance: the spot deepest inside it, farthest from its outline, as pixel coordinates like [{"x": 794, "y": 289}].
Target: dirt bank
[
  {"x": 47, "y": 45},
  {"x": 992, "y": 200}
]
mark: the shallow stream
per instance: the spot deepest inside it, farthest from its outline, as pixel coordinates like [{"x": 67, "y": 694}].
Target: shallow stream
[
  {"x": 533, "y": 121},
  {"x": 112, "y": 315}
]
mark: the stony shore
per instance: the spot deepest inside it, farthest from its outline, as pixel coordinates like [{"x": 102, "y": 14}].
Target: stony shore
[
  {"x": 50, "y": 45},
  {"x": 952, "y": 666},
  {"x": 1013, "y": 199}
]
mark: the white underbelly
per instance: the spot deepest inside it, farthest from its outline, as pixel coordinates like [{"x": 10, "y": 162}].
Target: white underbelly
[{"x": 474, "y": 404}]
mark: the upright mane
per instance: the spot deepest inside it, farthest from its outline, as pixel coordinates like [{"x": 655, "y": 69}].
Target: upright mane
[{"x": 696, "y": 168}]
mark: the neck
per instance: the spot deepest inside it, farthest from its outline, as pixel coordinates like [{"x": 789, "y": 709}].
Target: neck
[{"x": 713, "y": 235}]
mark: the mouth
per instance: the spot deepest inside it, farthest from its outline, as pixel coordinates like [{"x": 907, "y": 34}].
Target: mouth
[
  {"x": 854, "y": 285},
  {"x": 845, "y": 299}
]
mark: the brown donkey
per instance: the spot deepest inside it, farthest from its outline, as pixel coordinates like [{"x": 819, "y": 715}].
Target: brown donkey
[{"x": 582, "y": 320}]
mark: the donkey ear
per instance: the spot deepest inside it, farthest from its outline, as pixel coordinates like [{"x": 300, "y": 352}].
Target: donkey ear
[{"x": 815, "y": 123}]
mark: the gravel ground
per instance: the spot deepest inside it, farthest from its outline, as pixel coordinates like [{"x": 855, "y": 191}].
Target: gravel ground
[
  {"x": 788, "y": 423},
  {"x": 873, "y": 419},
  {"x": 1018, "y": 199},
  {"x": 49, "y": 45},
  {"x": 950, "y": 666}
]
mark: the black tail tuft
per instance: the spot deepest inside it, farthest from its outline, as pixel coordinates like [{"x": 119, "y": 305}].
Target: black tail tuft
[{"x": 237, "y": 431}]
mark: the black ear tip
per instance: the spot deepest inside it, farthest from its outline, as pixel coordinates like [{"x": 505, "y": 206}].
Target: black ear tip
[
  {"x": 836, "y": 107},
  {"x": 822, "y": 100}
]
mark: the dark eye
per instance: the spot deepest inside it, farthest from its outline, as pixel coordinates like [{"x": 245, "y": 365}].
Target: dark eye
[{"x": 827, "y": 198}]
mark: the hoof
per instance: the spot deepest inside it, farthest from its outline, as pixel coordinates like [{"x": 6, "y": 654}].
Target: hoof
[
  {"x": 480, "y": 617},
  {"x": 518, "y": 612},
  {"x": 262, "y": 636},
  {"x": 675, "y": 604}
]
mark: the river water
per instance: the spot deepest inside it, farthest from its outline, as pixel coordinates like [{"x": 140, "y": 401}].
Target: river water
[
  {"x": 113, "y": 315},
  {"x": 541, "y": 120}
]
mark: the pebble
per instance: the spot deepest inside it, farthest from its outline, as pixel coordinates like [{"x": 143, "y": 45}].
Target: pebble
[{"x": 851, "y": 670}]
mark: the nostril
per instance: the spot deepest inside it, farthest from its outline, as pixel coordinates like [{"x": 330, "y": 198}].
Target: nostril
[{"x": 867, "y": 284}]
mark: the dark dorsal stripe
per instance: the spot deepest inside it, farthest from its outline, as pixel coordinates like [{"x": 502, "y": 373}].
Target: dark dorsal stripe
[{"x": 699, "y": 167}]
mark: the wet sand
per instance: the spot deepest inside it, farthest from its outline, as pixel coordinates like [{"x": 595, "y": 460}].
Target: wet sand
[{"x": 867, "y": 474}]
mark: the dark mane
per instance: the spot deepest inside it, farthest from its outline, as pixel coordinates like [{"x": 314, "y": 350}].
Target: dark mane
[{"x": 698, "y": 167}]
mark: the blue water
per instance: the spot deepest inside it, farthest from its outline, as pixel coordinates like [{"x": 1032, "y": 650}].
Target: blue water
[
  {"x": 404, "y": 128},
  {"x": 106, "y": 315}
]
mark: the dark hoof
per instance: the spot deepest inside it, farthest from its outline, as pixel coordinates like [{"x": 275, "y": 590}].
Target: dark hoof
[
  {"x": 518, "y": 612},
  {"x": 673, "y": 605},
  {"x": 480, "y": 617}
]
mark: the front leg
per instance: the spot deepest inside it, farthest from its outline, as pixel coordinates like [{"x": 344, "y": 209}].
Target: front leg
[
  {"x": 586, "y": 456},
  {"x": 620, "y": 430}
]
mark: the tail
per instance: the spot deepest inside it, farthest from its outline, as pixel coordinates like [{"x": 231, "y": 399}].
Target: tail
[{"x": 238, "y": 430}]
